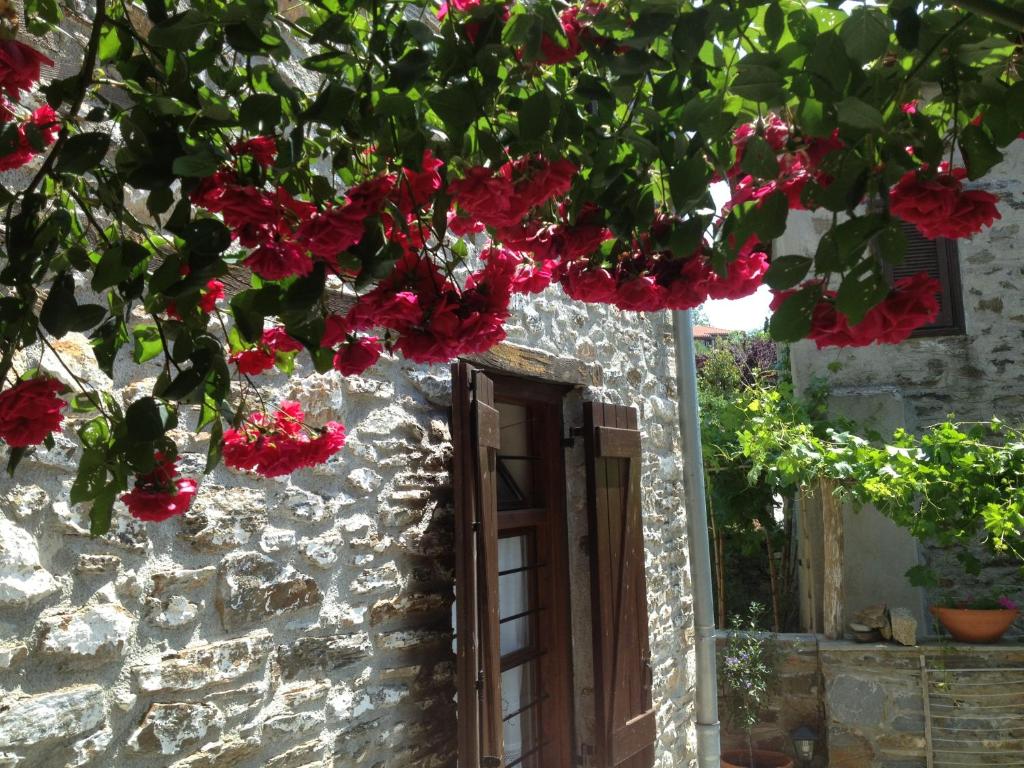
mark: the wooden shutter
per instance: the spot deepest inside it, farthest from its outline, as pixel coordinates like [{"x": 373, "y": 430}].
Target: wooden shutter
[
  {"x": 476, "y": 435},
  {"x": 939, "y": 259},
  {"x": 625, "y": 723}
]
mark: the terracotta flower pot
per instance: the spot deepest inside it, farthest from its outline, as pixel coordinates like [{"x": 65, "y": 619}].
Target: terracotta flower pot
[
  {"x": 763, "y": 758},
  {"x": 975, "y": 626}
]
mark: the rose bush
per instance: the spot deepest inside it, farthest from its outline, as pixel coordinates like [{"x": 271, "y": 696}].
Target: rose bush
[{"x": 576, "y": 142}]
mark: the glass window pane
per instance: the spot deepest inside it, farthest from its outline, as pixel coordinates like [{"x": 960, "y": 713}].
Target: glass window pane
[
  {"x": 514, "y": 593},
  {"x": 515, "y": 458},
  {"x": 519, "y": 690}
]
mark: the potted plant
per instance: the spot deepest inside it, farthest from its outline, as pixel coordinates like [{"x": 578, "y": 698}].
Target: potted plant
[
  {"x": 978, "y": 620},
  {"x": 748, "y": 669}
]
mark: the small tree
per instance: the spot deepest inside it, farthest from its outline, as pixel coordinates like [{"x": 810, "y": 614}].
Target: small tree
[{"x": 748, "y": 668}]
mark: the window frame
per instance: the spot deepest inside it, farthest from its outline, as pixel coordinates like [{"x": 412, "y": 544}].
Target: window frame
[{"x": 947, "y": 260}]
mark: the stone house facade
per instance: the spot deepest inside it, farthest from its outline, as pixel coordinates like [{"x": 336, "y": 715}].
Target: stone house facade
[
  {"x": 308, "y": 621},
  {"x": 970, "y": 368}
]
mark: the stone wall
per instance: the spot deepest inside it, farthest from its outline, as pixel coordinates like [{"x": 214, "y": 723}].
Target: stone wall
[
  {"x": 974, "y": 376},
  {"x": 875, "y": 711},
  {"x": 304, "y": 621},
  {"x": 866, "y": 703}
]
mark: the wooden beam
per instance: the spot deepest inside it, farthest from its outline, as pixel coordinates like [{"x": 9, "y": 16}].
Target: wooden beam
[
  {"x": 832, "y": 589},
  {"x": 524, "y": 361}
]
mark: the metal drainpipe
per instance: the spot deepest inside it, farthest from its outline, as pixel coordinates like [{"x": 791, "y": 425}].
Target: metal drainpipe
[{"x": 708, "y": 728}]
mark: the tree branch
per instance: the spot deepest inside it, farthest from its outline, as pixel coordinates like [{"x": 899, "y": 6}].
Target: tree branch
[{"x": 995, "y": 11}]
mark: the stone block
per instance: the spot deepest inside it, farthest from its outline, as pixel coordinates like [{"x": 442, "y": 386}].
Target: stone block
[
  {"x": 908, "y": 723},
  {"x": 23, "y": 580},
  {"x": 904, "y": 626},
  {"x": 848, "y": 750},
  {"x": 322, "y": 655},
  {"x": 321, "y": 551},
  {"x": 98, "y": 563},
  {"x": 23, "y": 501},
  {"x": 169, "y": 729},
  {"x": 201, "y": 666},
  {"x": 174, "y": 613},
  {"x": 251, "y": 588},
  {"x": 220, "y": 754},
  {"x": 61, "y": 714},
  {"x": 225, "y": 518},
  {"x": 181, "y": 579},
  {"x": 855, "y": 701},
  {"x": 97, "y": 632},
  {"x": 413, "y": 606}
]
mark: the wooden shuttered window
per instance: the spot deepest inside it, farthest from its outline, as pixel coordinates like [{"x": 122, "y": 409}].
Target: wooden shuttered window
[
  {"x": 939, "y": 259},
  {"x": 625, "y": 722},
  {"x": 476, "y": 437}
]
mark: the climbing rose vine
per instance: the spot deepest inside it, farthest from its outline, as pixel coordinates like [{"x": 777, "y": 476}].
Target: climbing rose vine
[{"x": 225, "y": 188}]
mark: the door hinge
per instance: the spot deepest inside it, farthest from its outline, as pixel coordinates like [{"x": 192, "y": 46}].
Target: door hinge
[{"x": 570, "y": 441}]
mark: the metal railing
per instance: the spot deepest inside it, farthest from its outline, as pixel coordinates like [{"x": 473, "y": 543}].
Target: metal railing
[{"x": 974, "y": 716}]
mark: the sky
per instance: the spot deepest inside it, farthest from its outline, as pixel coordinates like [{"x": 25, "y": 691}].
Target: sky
[{"x": 746, "y": 314}]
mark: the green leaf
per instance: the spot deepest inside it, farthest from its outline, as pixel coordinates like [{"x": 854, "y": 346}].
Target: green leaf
[
  {"x": 196, "y": 165},
  {"x": 42, "y": 15},
  {"x": 829, "y": 66},
  {"x": 180, "y": 32},
  {"x": 82, "y": 152},
  {"x": 145, "y": 420},
  {"x": 260, "y": 113},
  {"x": 922, "y": 576},
  {"x": 858, "y": 114},
  {"x": 688, "y": 182},
  {"x": 85, "y": 317},
  {"x": 908, "y": 27},
  {"x": 57, "y": 311},
  {"x": 534, "y": 117},
  {"x": 786, "y": 271},
  {"x": 759, "y": 83},
  {"x": 841, "y": 247},
  {"x": 14, "y": 458},
  {"x": 865, "y": 34},
  {"x": 117, "y": 263},
  {"x": 247, "y": 316},
  {"x": 980, "y": 153},
  {"x": 454, "y": 105},
  {"x": 759, "y": 159},
  {"x": 148, "y": 343},
  {"x": 859, "y": 291},
  {"x": 792, "y": 321},
  {"x": 102, "y": 510},
  {"x": 216, "y": 446}
]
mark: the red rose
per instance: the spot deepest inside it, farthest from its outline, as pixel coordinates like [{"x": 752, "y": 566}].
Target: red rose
[
  {"x": 19, "y": 67},
  {"x": 262, "y": 149},
  {"x": 279, "y": 260},
  {"x": 743, "y": 276},
  {"x": 30, "y": 411},
  {"x": 482, "y": 195},
  {"x": 160, "y": 494},
  {"x": 46, "y": 120},
  {"x": 591, "y": 285},
  {"x": 366, "y": 199},
  {"x": 689, "y": 287},
  {"x": 416, "y": 188},
  {"x": 209, "y": 296},
  {"x": 554, "y": 53},
  {"x": 940, "y": 207},
  {"x": 263, "y": 356},
  {"x": 333, "y": 231},
  {"x": 278, "y": 445},
  {"x": 357, "y": 355}
]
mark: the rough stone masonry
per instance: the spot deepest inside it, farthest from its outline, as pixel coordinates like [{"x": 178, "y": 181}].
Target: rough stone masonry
[{"x": 303, "y": 621}]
